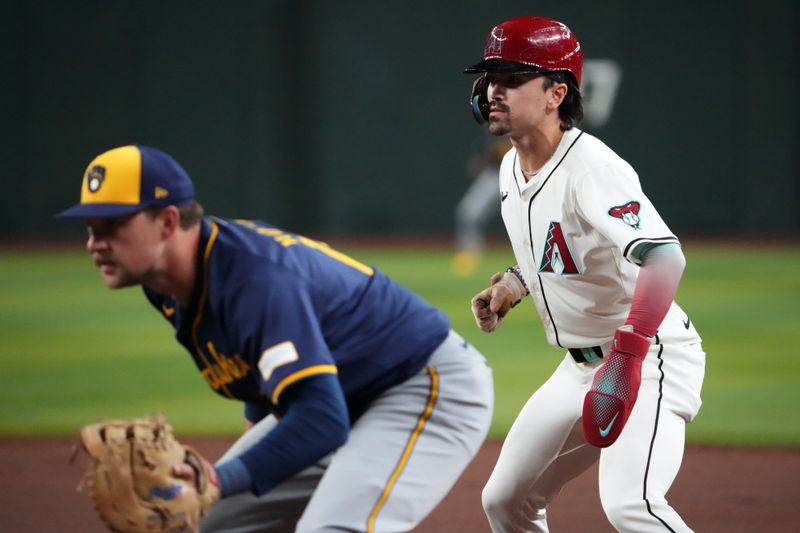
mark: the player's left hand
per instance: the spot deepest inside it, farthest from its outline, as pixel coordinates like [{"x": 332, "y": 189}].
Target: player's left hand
[{"x": 615, "y": 387}]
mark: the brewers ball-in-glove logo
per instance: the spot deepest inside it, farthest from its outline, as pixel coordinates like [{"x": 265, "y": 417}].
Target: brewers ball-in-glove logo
[
  {"x": 629, "y": 213},
  {"x": 95, "y": 177}
]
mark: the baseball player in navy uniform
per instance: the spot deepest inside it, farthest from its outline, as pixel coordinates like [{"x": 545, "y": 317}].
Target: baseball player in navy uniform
[
  {"x": 363, "y": 406},
  {"x": 602, "y": 269}
]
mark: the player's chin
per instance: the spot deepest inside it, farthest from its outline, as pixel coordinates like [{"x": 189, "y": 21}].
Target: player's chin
[
  {"x": 498, "y": 127},
  {"x": 116, "y": 279}
]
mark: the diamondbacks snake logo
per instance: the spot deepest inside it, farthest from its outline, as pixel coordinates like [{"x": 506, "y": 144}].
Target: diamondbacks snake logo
[{"x": 628, "y": 213}]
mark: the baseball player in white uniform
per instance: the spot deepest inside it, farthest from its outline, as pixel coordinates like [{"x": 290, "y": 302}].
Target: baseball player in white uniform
[{"x": 602, "y": 269}]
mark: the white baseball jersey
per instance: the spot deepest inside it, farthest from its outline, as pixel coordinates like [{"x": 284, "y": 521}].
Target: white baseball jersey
[{"x": 574, "y": 228}]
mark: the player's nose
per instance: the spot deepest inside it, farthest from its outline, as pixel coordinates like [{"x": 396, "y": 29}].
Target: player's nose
[
  {"x": 95, "y": 244},
  {"x": 495, "y": 91}
]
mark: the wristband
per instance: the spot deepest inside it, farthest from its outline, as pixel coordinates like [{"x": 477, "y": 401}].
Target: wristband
[{"x": 515, "y": 270}]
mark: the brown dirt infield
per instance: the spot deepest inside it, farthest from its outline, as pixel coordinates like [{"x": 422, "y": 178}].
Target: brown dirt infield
[{"x": 717, "y": 490}]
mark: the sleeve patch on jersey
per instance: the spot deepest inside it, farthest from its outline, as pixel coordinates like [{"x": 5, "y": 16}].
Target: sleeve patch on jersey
[
  {"x": 279, "y": 355},
  {"x": 628, "y": 213}
]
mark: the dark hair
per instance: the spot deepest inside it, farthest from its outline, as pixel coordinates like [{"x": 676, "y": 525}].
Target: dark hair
[
  {"x": 191, "y": 213},
  {"x": 571, "y": 109}
]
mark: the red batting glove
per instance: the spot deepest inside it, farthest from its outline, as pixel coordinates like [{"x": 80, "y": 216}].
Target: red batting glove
[{"x": 615, "y": 387}]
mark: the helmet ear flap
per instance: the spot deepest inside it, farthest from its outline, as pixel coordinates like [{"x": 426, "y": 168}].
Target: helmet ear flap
[{"x": 479, "y": 100}]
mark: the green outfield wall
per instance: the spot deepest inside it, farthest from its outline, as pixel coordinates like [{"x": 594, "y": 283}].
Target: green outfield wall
[{"x": 350, "y": 117}]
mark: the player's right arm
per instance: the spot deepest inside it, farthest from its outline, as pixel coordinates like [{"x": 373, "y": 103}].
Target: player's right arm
[
  {"x": 314, "y": 424},
  {"x": 274, "y": 322},
  {"x": 492, "y": 304}
]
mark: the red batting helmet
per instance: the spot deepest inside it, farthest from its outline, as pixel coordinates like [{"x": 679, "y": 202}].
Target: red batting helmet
[{"x": 531, "y": 44}]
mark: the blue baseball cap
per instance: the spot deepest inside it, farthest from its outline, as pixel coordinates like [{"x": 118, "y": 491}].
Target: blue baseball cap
[{"x": 128, "y": 179}]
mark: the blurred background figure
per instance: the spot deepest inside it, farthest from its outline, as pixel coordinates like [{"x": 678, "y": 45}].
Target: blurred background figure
[{"x": 480, "y": 201}]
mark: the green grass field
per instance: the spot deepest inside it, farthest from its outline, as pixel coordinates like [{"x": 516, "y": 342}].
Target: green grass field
[{"x": 72, "y": 351}]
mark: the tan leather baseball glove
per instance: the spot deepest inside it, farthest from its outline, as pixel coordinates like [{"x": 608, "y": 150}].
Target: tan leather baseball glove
[{"x": 130, "y": 477}]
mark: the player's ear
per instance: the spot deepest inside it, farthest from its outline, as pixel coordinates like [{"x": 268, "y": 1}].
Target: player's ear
[
  {"x": 170, "y": 220},
  {"x": 558, "y": 91}
]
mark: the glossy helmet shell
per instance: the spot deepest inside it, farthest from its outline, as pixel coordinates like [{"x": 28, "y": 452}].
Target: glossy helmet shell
[{"x": 531, "y": 44}]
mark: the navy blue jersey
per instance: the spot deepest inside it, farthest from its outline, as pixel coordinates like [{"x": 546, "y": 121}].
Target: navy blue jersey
[{"x": 270, "y": 308}]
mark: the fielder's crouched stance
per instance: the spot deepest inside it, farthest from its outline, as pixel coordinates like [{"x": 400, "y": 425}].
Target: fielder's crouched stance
[
  {"x": 364, "y": 405},
  {"x": 602, "y": 268}
]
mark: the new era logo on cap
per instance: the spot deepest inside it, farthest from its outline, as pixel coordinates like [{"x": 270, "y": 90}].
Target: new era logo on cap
[{"x": 128, "y": 179}]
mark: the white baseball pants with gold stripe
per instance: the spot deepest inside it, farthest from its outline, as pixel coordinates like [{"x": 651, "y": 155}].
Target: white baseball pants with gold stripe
[{"x": 545, "y": 447}]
